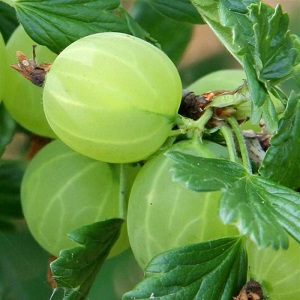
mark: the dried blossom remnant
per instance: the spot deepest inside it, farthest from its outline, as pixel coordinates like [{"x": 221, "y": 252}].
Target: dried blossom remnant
[
  {"x": 250, "y": 291},
  {"x": 192, "y": 106},
  {"x": 30, "y": 69}
]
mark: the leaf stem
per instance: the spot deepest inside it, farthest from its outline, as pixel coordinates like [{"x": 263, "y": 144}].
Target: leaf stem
[
  {"x": 241, "y": 142},
  {"x": 203, "y": 120},
  {"x": 228, "y": 136},
  {"x": 176, "y": 132},
  {"x": 187, "y": 125}
]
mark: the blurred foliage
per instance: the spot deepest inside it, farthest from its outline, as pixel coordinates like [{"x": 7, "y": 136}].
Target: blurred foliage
[
  {"x": 173, "y": 36},
  {"x": 8, "y": 19},
  {"x": 23, "y": 267},
  {"x": 11, "y": 173}
]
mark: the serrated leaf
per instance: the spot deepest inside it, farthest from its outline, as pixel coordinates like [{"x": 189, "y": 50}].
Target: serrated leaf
[
  {"x": 268, "y": 112},
  {"x": 212, "y": 270},
  {"x": 253, "y": 28},
  {"x": 250, "y": 31},
  {"x": 58, "y": 23},
  {"x": 76, "y": 268},
  {"x": 274, "y": 52},
  {"x": 11, "y": 174},
  {"x": 7, "y": 128},
  {"x": 263, "y": 210},
  {"x": 229, "y": 21},
  {"x": 180, "y": 10},
  {"x": 281, "y": 162},
  {"x": 205, "y": 174}
]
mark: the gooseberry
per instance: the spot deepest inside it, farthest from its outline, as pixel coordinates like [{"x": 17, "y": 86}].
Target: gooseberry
[
  {"x": 276, "y": 270},
  {"x": 163, "y": 214},
  {"x": 112, "y": 97},
  {"x": 63, "y": 190},
  {"x": 227, "y": 79}
]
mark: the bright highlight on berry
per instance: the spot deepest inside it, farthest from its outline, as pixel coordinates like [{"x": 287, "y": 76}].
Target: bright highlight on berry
[{"x": 112, "y": 97}]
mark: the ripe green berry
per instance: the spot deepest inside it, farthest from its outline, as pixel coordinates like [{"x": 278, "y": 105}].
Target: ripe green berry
[
  {"x": 163, "y": 214},
  {"x": 228, "y": 79},
  {"x": 63, "y": 190},
  {"x": 276, "y": 270},
  {"x": 112, "y": 97}
]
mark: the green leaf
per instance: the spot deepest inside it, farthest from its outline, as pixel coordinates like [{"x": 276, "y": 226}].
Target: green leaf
[
  {"x": 205, "y": 174},
  {"x": 180, "y": 10},
  {"x": 257, "y": 36},
  {"x": 136, "y": 29},
  {"x": 173, "y": 36},
  {"x": 11, "y": 174},
  {"x": 268, "y": 112},
  {"x": 8, "y": 19},
  {"x": 230, "y": 22},
  {"x": 260, "y": 208},
  {"x": 58, "y": 23},
  {"x": 263, "y": 210},
  {"x": 23, "y": 265},
  {"x": 274, "y": 52},
  {"x": 281, "y": 162},
  {"x": 210, "y": 270},
  {"x": 7, "y": 128},
  {"x": 228, "y": 19},
  {"x": 76, "y": 268}
]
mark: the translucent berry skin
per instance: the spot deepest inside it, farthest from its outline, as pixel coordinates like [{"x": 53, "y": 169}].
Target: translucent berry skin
[
  {"x": 63, "y": 190},
  {"x": 227, "y": 79},
  {"x": 23, "y": 99},
  {"x": 276, "y": 270},
  {"x": 112, "y": 97},
  {"x": 164, "y": 214}
]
